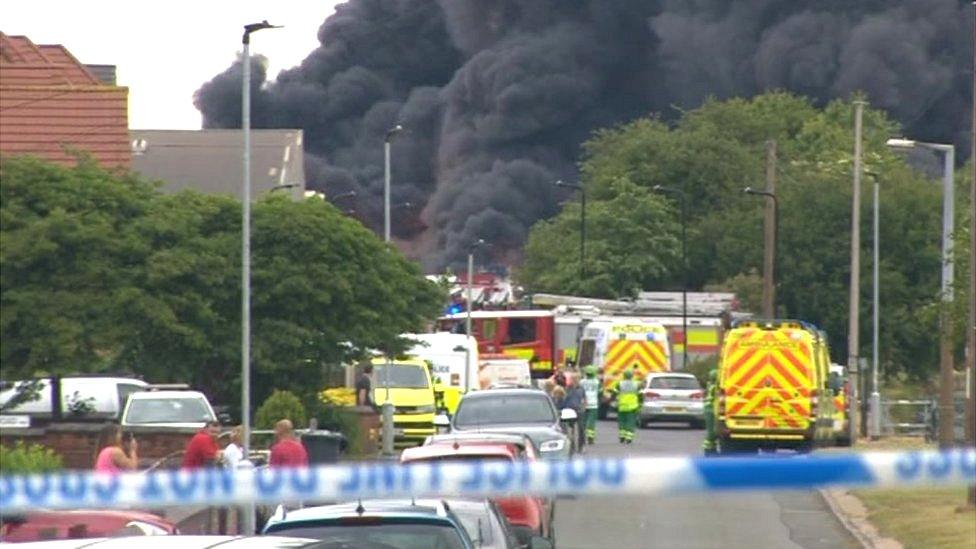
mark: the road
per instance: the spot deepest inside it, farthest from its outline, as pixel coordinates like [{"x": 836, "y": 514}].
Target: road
[{"x": 755, "y": 520}]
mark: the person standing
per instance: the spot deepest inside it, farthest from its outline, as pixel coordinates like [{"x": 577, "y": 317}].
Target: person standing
[
  {"x": 287, "y": 451},
  {"x": 202, "y": 450},
  {"x": 709, "y": 447},
  {"x": 364, "y": 387},
  {"x": 591, "y": 392},
  {"x": 233, "y": 453},
  {"x": 113, "y": 455},
  {"x": 628, "y": 405}
]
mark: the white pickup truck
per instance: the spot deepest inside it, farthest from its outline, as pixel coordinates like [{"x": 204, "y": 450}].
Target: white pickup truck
[{"x": 178, "y": 409}]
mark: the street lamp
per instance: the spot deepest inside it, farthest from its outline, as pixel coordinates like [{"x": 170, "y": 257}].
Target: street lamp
[
  {"x": 771, "y": 283},
  {"x": 684, "y": 268},
  {"x": 282, "y": 187},
  {"x": 467, "y": 322},
  {"x": 248, "y": 522},
  {"x": 386, "y": 179},
  {"x": 946, "y": 408},
  {"x": 347, "y": 194},
  {"x": 582, "y": 191},
  {"x": 874, "y": 410}
]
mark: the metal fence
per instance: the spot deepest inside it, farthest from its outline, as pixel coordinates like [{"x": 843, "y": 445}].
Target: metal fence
[{"x": 906, "y": 417}]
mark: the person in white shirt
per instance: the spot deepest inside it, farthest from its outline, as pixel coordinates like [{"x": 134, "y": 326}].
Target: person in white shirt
[{"x": 233, "y": 454}]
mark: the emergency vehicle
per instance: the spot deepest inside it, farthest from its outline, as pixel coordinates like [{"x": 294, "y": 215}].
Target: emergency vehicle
[
  {"x": 773, "y": 389},
  {"x": 614, "y": 344},
  {"x": 453, "y": 362},
  {"x": 526, "y": 334},
  {"x": 406, "y": 384},
  {"x": 842, "y": 433}
]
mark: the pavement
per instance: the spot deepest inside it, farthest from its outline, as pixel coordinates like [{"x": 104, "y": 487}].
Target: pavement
[{"x": 754, "y": 520}]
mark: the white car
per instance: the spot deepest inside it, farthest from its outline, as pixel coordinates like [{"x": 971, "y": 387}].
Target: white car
[
  {"x": 178, "y": 409},
  {"x": 673, "y": 396}
]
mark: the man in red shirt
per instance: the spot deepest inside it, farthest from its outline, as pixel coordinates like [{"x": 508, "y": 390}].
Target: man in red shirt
[
  {"x": 288, "y": 450},
  {"x": 202, "y": 450}
]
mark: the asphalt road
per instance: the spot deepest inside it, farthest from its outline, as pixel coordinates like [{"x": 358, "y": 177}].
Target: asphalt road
[{"x": 754, "y": 520}]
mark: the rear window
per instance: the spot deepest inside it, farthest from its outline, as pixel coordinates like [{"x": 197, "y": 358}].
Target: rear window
[
  {"x": 168, "y": 410},
  {"x": 673, "y": 382},
  {"x": 400, "y": 375},
  {"x": 368, "y": 535},
  {"x": 502, "y": 409}
]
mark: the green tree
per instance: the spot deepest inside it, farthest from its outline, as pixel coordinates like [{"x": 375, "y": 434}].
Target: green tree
[
  {"x": 66, "y": 249},
  {"x": 103, "y": 272},
  {"x": 632, "y": 239},
  {"x": 713, "y": 152}
]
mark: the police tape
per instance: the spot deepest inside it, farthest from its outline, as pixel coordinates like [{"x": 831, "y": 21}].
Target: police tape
[{"x": 580, "y": 477}]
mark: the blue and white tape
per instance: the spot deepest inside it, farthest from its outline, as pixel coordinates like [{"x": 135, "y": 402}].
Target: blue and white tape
[{"x": 639, "y": 476}]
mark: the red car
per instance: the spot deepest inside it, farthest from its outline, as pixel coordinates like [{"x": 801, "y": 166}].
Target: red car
[
  {"x": 529, "y": 516},
  {"x": 55, "y": 525}
]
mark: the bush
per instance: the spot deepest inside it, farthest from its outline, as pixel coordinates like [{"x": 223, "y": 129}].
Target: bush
[
  {"x": 280, "y": 405},
  {"x": 28, "y": 458}
]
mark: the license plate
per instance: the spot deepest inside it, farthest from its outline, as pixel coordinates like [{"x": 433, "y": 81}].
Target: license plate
[
  {"x": 674, "y": 409},
  {"x": 749, "y": 422}
]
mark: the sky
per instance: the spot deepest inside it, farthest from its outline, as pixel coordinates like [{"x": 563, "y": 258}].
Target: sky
[{"x": 165, "y": 51}]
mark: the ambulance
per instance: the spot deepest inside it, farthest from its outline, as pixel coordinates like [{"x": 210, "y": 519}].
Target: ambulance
[
  {"x": 840, "y": 388},
  {"x": 453, "y": 362},
  {"x": 773, "y": 388},
  {"x": 614, "y": 344}
]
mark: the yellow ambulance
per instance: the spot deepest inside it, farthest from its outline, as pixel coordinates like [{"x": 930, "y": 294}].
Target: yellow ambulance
[{"x": 773, "y": 389}]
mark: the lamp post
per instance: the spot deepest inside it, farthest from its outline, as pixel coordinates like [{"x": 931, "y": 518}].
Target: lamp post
[
  {"x": 771, "y": 282},
  {"x": 582, "y": 191},
  {"x": 684, "y": 268},
  {"x": 471, "y": 250},
  {"x": 946, "y": 408},
  {"x": 874, "y": 410},
  {"x": 248, "y": 522},
  {"x": 282, "y": 187},
  {"x": 386, "y": 179}
]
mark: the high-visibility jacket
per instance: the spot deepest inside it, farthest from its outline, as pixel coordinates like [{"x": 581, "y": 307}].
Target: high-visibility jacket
[
  {"x": 591, "y": 388},
  {"x": 628, "y": 395}
]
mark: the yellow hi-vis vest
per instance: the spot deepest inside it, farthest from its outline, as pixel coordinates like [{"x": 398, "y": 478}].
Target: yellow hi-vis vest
[{"x": 627, "y": 395}]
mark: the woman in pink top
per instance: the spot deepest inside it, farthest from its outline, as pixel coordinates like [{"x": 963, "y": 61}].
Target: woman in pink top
[{"x": 111, "y": 457}]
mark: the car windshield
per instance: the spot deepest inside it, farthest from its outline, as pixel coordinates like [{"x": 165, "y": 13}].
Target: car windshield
[
  {"x": 408, "y": 376},
  {"x": 494, "y": 409},
  {"x": 374, "y": 533},
  {"x": 674, "y": 382},
  {"x": 168, "y": 410}
]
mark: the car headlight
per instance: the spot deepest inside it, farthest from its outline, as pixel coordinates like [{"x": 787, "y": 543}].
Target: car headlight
[
  {"x": 425, "y": 409},
  {"x": 554, "y": 445}
]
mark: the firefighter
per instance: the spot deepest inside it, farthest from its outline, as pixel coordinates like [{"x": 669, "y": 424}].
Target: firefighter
[
  {"x": 591, "y": 390},
  {"x": 628, "y": 405},
  {"x": 708, "y": 445}
]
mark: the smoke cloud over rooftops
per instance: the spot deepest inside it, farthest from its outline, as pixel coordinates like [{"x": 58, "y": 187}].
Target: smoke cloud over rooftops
[{"x": 496, "y": 95}]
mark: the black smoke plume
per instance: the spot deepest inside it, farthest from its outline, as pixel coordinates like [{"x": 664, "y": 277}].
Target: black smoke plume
[{"x": 497, "y": 95}]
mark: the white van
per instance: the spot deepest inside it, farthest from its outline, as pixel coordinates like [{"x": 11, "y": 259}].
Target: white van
[
  {"x": 453, "y": 360},
  {"x": 82, "y": 397}
]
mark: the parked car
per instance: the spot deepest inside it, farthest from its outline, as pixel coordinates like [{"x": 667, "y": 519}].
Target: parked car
[
  {"x": 186, "y": 409},
  {"x": 90, "y": 397},
  {"x": 529, "y": 516},
  {"x": 526, "y": 447},
  {"x": 374, "y": 524},
  {"x": 53, "y": 525},
  {"x": 672, "y": 396},
  {"x": 485, "y": 523},
  {"x": 183, "y": 542},
  {"x": 520, "y": 411}
]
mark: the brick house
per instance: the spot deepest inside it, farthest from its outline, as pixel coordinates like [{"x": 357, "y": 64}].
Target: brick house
[{"x": 52, "y": 105}]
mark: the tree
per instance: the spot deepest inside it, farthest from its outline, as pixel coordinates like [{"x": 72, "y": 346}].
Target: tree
[
  {"x": 713, "y": 152},
  {"x": 102, "y": 272},
  {"x": 632, "y": 240}
]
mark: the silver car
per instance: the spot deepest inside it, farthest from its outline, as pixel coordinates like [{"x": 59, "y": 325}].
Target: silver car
[{"x": 673, "y": 396}]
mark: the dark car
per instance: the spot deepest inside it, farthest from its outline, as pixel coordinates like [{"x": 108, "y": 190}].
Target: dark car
[{"x": 521, "y": 411}]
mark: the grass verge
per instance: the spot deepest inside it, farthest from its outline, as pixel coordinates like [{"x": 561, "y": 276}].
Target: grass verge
[{"x": 922, "y": 517}]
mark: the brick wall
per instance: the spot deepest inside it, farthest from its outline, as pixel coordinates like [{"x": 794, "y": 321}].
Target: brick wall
[{"x": 76, "y": 442}]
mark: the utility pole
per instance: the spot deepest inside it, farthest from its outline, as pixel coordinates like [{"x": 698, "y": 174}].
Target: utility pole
[
  {"x": 874, "y": 411},
  {"x": 769, "y": 236},
  {"x": 947, "y": 381},
  {"x": 853, "y": 332},
  {"x": 971, "y": 351}
]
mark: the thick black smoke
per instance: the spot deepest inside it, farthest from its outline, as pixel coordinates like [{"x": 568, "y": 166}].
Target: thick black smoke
[{"x": 497, "y": 95}]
